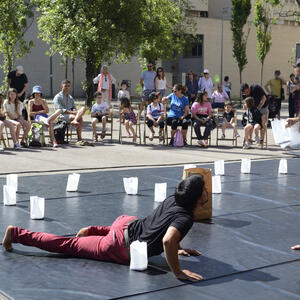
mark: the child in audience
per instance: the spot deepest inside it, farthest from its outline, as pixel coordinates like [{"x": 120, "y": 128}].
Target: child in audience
[
  {"x": 38, "y": 110},
  {"x": 254, "y": 122},
  {"x": 99, "y": 113},
  {"x": 130, "y": 118},
  {"x": 123, "y": 93},
  {"x": 13, "y": 110},
  {"x": 7, "y": 123},
  {"x": 155, "y": 115},
  {"x": 202, "y": 116},
  {"x": 229, "y": 120}
]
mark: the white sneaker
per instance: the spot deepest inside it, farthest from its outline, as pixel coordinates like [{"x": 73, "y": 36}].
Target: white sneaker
[
  {"x": 151, "y": 135},
  {"x": 17, "y": 146},
  {"x": 202, "y": 143},
  {"x": 223, "y": 136},
  {"x": 257, "y": 140},
  {"x": 237, "y": 135},
  {"x": 1, "y": 148},
  {"x": 246, "y": 145}
]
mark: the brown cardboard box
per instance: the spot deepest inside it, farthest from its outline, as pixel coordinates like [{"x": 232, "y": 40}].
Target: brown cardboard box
[{"x": 206, "y": 213}]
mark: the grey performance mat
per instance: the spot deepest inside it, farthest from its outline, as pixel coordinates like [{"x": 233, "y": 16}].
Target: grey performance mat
[{"x": 245, "y": 253}]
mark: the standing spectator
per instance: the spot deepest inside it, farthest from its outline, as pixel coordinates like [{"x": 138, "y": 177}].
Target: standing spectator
[
  {"x": 179, "y": 109},
  {"x": 290, "y": 88},
  {"x": 192, "y": 86},
  {"x": 13, "y": 110},
  {"x": 105, "y": 80},
  {"x": 18, "y": 80},
  {"x": 227, "y": 86},
  {"x": 64, "y": 101},
  {"x": 260, "y": 100},
  {"x": 148, "y": 85},
  {"x": 274, "y": 87},
  {"x": 206, "y": 84},
  {"x": 161, "y": 82},
  {"x": 219, "y": 97},
  {"x": 296, "y": 89},
  {"x": 202, "y": 116}
]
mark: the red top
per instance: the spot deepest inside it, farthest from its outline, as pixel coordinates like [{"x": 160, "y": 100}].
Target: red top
[{"x": 37, "y": 107}]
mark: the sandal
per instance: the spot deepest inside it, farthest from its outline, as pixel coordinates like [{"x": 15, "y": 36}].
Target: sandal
[
  {"x": 103, "y": 134},
  {"x": 134, "y": 139},
  {"x": 80, "y": 143},
  {"x": 95, "y": 139}
]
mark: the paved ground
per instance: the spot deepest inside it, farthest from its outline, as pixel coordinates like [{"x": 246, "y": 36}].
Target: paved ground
[{"x": 113, "y": 155}]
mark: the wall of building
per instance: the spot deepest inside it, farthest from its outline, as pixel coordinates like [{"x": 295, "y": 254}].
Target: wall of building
[{"x": 215, "y": 8}]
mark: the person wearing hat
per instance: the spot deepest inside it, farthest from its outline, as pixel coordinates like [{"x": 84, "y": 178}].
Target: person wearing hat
[
  {"x": 274, "y": 87},
  {"x": 155, "y": 115},
  {"x": 18, "y": 80},
  {"x": 206, "y": 84},
  {"x": 38, "y": 111}
]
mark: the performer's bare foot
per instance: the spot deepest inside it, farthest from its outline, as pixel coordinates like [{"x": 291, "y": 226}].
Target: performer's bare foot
[
  {"x": 74, "y": 122},
  {"x": 296, "y": 247},
  {"x": 6, "y": 242}
]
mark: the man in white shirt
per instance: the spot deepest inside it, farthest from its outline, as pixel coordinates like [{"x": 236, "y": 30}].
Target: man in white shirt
[{"x": 206, "y": 84}]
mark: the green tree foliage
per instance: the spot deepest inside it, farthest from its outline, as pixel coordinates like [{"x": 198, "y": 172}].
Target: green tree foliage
[
  {"x": 263, "y": 21},
  {"x": 241, "y": 10},
  {"x": 16, "y": 18},
  {"x": 99, "y": 30}
]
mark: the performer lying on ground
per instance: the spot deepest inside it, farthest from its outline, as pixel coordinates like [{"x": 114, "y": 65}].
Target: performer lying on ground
[{"x": 162, "y": 230}]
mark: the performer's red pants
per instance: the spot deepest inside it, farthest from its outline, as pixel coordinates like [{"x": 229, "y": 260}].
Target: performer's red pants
[{"x": 102, "y": 243}]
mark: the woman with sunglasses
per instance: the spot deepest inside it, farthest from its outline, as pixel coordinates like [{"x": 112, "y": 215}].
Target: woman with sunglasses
[
  {"x": 160, "y": 82},
  {"x": 179, "y": 109}
]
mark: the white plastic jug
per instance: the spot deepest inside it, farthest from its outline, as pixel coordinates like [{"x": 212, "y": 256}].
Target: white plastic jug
[
  {"x": 131, "y": 185},
  {"x": 9, "y": 195},
  {"x": 283, "y": 168},
  {"x": 73, "y": 181},
  {"x": 160, "y": 192},
  {"x": 37, "y": 208},
  {"x": 216, "y": 184},
  {"x": 138, "y": 256},
  {"x": 246, "y": 166},
  {"x": 12, "y": 181},
  {"x": 219, "y": 167}
]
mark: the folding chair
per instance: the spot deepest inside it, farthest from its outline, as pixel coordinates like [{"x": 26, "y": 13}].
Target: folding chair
[
  {"x": 137, "y": 128},
  {"x": 109, "y": 120},
  {"x": 219, "y": 122}
]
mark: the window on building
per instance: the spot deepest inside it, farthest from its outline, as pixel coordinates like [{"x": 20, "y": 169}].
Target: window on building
[
  {"x": 196, "y": 13},
  {"x": 195, "y": 48}
]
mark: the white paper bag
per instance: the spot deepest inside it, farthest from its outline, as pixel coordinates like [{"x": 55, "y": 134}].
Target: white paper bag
[
  {"x": 216, "y": 185},
  {"x": 246, "y": 166},
  {"x": 37, "y": 208},
  {"x": 73, "y": 181},
  {"x": 219, "y": 167},
  {"x": 131, "y": 185},
  {"x": 12, "y": 181},
  {"x": 9, "y": 195},
  {"x": 294, "y": 135},
  {"x": 160, "y": 192},
  {"x": 138, "y": 256},
  {"x": 283, "y": 168},
  {"x": 189, "y": 167},
  {"x": 280, "y": 132}
]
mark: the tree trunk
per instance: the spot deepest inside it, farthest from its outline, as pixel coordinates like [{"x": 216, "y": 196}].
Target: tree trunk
[
  {"x": 90, "y": 73},
  {"x": 73, "y": 76},
  {"x": 261, "y": 73},
  {"x": 240, "y": 88},
  {"x": 66, "y": 59}
]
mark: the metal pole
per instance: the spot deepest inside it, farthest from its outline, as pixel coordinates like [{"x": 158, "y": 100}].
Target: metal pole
[
  {"x": 51, "y": 77},
  {"x": 222, "y": 47}
]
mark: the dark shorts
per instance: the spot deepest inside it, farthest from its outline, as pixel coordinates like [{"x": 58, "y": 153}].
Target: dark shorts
[
  {"x": 100, "y": 118},
  {"x": 146, "y": 94}
]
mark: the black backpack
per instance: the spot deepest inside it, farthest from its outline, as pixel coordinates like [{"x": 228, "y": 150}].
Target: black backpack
[{"x": 59, "y": 131}]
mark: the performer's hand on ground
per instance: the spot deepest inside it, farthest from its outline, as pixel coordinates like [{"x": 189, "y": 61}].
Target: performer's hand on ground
[
  {"x": 82, "y": 232},
  {"x": 188, "y": 252},
  {"x": 296, "y": 247},
  {"x": 188, "y": 275}
]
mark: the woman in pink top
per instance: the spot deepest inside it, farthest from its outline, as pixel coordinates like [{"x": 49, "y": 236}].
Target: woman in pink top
[
  {"x": 202, "y": 116},
  {"x": 219, "y": 97}
]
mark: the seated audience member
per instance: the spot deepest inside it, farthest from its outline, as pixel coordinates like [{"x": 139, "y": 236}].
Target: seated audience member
[
  {"x": 7, "y": 123},
  {"x": 99, "y": 113},
  {"x": 228, "y": 116},
  {"x": 13, "y": 110},
  {"x": 219, "y": 97},
  {"x": 155, "y": 115},
  {"x": 255, "y": 121},
  {"x": 162, "y": 230},
  {"x": 64, "y": 101},
  {"x": 38, "y": 110},
  {"x": 202, "y": 116},
  {"x": 129, "y": 116},
  {"x": 179, "y": 109}
]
